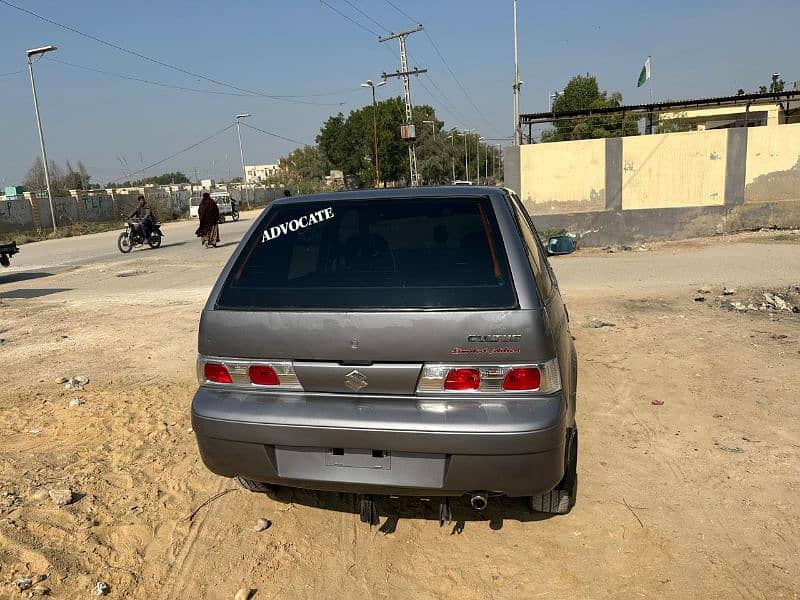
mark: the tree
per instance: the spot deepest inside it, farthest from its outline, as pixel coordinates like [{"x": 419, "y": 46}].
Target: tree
[
  {"x": 306, "y": 163},
  {"x": 34, "y": 178},
  {"x": 582, "y": 92}
]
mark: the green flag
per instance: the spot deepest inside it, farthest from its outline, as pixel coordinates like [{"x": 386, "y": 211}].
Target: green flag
[{"x": 645, "y": 74}]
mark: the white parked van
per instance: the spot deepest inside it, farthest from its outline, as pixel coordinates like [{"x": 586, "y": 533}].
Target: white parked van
[{"x": 223, "y": 200}]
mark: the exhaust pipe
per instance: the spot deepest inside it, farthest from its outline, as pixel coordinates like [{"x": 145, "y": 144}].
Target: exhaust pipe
[{"x": 479, "y": 500}]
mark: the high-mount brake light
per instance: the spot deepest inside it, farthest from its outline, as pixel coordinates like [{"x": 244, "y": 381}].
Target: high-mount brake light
[
  {"x": 522, "y": 378},
  {"x": 462, "y": 379},
  {"x": 216, "y": 373},
  {"x": 263, "y": 375}
]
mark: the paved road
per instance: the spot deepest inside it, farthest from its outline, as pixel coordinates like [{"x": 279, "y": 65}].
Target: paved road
[
  {"x": 179, "y": 242},
  {"x": 735, "y": 261}
]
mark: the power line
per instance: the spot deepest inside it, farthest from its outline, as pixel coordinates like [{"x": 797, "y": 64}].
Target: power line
[
  {"x": 444, "y": 61},
  {"x": 149, "y": 58},
  {"x": 340, "y": 13},
  {"x": 449, "y": 109},
  {"x": 178, "y": 153},
  {"x": 273, "y": 134},
  {"x": 402, "y": 12},
  {"x": 178, "y": 87},
  {"x": 12, "y": 73},
  {"x": 362, "y": 13},
  {"x": 452, "y": 73}
]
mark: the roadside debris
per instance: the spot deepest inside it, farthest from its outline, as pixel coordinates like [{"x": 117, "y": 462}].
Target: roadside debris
[
  {"x": 132, "y": 273},
  {"x": 657, "y": 402},
  {"x": 598, "y": 323},
  {"x": 101, "y": 588},
  {"x": 24, "y": 583},
  {"x": 700, "y": 299},
  {"x": 62, "y": 497},
  {"x": 262, "y": 524},
  {"x": 766, "y": 301},
  {"x": 76, "y": 402},
  {"x": 244, "y": 594},
  {"x": 74, "y": 383},
  {"x": 734, "y": 449}
]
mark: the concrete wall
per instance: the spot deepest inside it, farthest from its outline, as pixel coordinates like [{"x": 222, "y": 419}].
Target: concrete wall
[
  {"x": 29, "y": 212},
  {"x": 15, "y": 215},
  {"x": 674, "y": 169},
  {"x": 662, "y": 186},
  {"x": 567, "y": 176},
  {"x": 773, "y": 164}
]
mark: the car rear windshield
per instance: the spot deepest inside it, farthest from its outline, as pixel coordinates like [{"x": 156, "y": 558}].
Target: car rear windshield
[{"x": 421, "y": 253}]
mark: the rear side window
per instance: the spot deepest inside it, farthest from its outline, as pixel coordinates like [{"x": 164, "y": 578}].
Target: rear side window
[
  {"x": 533, "y": 249},
  {"x": 421, "y": 253}
]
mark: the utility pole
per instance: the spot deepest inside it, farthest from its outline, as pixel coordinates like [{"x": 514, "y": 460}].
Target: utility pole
[
  {"x": 407, "y": 131},
  {"x": 453, "y": 152},
  {"x": 31, "y": 54},
  {"x": 517, "y": 84},
  {"x": 241, "y": 152},
  {"x": 466, "y": 154},
  {"x": 370, "y": 84}
]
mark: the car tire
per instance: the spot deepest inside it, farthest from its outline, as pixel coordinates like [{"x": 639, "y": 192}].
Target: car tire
[
  {"x": 556, "y": 502},
  {"x": 559, "y": 501},
  {"x": 255, "y": 486}
]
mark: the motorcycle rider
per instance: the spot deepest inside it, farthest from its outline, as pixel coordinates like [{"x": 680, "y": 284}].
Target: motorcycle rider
[{"x": 146, "y": 217}]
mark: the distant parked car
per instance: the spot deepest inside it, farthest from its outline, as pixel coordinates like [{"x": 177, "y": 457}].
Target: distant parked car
[
  {"x": 391, "y": 342},
  {"x": 223, "y": 200}
]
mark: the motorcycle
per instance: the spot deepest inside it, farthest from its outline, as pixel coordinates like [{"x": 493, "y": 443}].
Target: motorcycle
[
  {"x": 134, "y": 236},
  {"x": 6, "y": 252}
]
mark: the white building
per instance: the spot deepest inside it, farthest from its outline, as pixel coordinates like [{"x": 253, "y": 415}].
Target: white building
[{"x": 258, "y": 173}]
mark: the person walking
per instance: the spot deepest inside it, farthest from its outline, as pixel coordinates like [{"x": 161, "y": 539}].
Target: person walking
[{"x": 208, "y": 231}]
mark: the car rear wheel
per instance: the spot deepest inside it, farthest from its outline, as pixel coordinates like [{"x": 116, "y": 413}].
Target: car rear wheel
[
  {"x": 255, "y": 486},
  {"x": 559, "y": 501}
]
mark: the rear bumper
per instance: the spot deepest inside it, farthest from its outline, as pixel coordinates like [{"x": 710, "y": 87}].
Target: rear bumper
[{"x": 515, "y": 446}]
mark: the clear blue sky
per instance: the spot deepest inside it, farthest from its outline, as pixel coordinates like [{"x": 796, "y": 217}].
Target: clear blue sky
[{"x": 304, "y": 48}]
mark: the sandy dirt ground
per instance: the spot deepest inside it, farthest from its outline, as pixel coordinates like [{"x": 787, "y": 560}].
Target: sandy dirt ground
[{"x": 698, "y": 497}]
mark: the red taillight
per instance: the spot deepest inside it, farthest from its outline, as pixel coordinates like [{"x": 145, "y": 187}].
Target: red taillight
[
  {"x": 216, "y": 373},
  {"x": 462, "y": 379},
  {"x": 523, "y": 378},
  {"x": 263, "y": 375}
]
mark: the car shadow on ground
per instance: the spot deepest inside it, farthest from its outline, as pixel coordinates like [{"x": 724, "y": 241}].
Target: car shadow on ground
[
  {"x": 23, "y": 276},
  {"x": 30, "y": 293},
  {"x": 392, "y": 510}
]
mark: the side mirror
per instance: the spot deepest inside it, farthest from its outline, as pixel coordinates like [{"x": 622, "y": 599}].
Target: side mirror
[{"x": 561, "y": 244}]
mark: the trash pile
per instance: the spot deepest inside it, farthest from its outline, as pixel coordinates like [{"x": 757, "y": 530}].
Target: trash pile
[
  {"x": 784, "y": 301},
  {"x": 624, "y": 248}
]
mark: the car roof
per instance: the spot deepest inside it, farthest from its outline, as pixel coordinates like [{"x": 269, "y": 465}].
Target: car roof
[{"x": 445, "y": 191}]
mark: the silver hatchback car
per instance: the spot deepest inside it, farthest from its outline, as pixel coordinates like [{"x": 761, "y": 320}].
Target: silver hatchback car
[{"x": 391, "y": 342}]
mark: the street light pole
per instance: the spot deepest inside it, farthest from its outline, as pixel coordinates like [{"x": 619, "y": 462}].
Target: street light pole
[
  {"x": 31, "y": 54},
  {"x": 241, "y": 153},
  {"x": 453, "y": 152},
  {"x": 478, "y": 158},
  {"x": 370, "y": 84},
  {"x": 466, "y": 157},
  {"x": 517, "y": 84}
]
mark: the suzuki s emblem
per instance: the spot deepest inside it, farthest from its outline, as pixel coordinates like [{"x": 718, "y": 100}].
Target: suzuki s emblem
[
  {"x": 355, "y": 380},
  {"x": 354, "y": 344}
]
